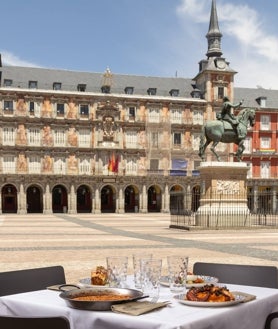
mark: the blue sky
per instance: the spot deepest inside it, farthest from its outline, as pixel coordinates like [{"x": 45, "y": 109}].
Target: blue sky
[{"x": 141, "y": 37}]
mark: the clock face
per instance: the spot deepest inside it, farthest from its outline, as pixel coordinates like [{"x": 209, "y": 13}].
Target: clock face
[{"x": 221, "y": 64}]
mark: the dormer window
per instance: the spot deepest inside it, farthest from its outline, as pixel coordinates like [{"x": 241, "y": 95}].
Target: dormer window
[
  {"x": 8, "y": 82},
  {"x": 196, "y": 93},
  {"x": 81, "y": 87},
  {"x": 174, "y": 92},
  {"x": 57, "y": 86},
  {"x": 105, "y": 89},
  {"x": 261, "y": 101},
  {"x": 129, "y": 90},
  {"x": 151, "y": 91},
  {"x": 33, "y": 84}
]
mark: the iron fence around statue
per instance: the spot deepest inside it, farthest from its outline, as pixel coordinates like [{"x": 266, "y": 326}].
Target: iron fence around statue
[{"x": 261, "y": 212}]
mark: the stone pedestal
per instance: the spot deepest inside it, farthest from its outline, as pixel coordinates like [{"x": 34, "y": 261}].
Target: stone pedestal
[{"x": 223, "y": 201}]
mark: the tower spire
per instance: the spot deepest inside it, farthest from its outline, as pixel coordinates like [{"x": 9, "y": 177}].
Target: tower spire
[{"x": 214, "y": 35}]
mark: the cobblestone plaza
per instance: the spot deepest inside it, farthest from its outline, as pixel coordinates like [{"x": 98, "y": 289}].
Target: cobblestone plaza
[{"x": 81, "y": 242}]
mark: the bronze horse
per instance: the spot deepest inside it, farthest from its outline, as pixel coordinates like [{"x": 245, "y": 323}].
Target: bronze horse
[{"x": 222, "y": 131}]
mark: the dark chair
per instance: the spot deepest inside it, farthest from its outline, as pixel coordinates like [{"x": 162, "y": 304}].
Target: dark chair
[
  {"x": 269, "y": 319},
  {"x": 14, "y": 282},
  {"x": 10, "y": 322},
  {"x": 249, "y": 275}
]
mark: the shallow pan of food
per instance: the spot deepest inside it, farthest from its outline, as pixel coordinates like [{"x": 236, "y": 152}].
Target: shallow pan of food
[{"x": 98, "y": 298}]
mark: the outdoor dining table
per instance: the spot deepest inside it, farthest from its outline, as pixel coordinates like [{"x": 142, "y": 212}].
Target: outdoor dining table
[{"x": 175, "y": 315}]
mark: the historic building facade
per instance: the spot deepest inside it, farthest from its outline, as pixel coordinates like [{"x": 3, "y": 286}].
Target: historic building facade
[{"x": 89, "y": 142}]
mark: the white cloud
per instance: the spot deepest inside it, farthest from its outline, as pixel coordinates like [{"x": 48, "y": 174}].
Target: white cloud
[
  {"x": 12, "y": 60},
  {"x": 249, "y": 48}
]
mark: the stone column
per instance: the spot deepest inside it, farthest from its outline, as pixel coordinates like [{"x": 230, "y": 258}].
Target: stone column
[
  {"x": 72, "y": 201},
  {"x": 97, "y": 202},
  {"x": 121, "y": 201},
  {"x": 47, "y": 201},
  {"x": 144, "y": 200},
  {"x": 21, "y": 201}
]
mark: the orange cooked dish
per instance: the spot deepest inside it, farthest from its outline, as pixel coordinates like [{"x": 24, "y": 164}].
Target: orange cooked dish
[
  {"x": 96, "y": 298},
  {"x": 209, "y": 293}
]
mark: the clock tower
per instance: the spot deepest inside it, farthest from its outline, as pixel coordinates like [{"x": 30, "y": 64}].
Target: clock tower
[{"x": 215, "y": 78}]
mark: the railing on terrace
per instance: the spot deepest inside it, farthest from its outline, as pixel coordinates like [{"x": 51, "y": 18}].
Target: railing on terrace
[{"x": 259, "y": 211}]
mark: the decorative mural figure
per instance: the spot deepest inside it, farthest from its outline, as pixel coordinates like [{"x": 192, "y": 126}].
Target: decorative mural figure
[
  {"x": 21, "y": 137},
  {"x": 47, "y": 164},
  {"x": 47, "y": 108},
  {"x": 142, "y": 140},
  {"x": 187, "y": 140},
  {"x": 21, "y": 107},
  {"x": 47, "y": 137},
  {"x": 21, "y": 163},
  {"x": 72, "y": 137},
  {"x": 72, "y": 164},
  {"x": 72, "y": 111}
]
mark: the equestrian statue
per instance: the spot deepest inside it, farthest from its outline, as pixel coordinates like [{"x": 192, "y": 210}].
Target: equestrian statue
[{"x": 228, "y": 128}]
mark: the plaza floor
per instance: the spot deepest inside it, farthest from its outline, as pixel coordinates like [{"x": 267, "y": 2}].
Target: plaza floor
[{"x": 80, "y": 242}]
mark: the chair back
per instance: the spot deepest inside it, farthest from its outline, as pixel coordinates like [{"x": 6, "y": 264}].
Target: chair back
[
  {"x": 20, "y": 281},
  {"x": 10, "y": 322},
  {"x": 249, "y": 275}
]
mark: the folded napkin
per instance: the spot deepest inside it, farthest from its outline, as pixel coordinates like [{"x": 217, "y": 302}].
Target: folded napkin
[
  {"x": 137, "y": 308},
  {"x": 244, "y": 297}
]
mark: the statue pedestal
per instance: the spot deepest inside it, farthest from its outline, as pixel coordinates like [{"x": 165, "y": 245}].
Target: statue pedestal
[{"x": 223, "y": 201}]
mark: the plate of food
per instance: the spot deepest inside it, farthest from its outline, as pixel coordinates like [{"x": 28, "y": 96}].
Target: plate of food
[
  {"x": 192, "y": 280},
  {"x": 210, "y": 296}
]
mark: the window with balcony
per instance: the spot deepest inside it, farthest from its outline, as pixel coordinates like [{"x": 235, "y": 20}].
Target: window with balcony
[
  {"x": 248, "y": 145},
  {"x": 265, "y": 169},
  {"x": 154, "y": 115},
  {"x": 265, "y": 142},
  {"x": 59, "y": 166},
  {"x": 8, "y": 106},
  {"x": 198, "y": 117},
  {"x": 59, "y": 137},
  {"x": 84, "y": 110},
  {"x": 9, "y": 136},
  {"x": 175, "y": 116},
  {"x": 84, "y": 167},
  {"x": 8, "y": 164},
  {"x": 154, "y": 139},
  {"x": 177, "y": 139},
  {"x": 34, "y": 165},
  {"x": 265, "y": 122},
  {"x": 131, "y": 166},
  {"x": 34, "y": 137},
  {"x": 84, "y": 138},
  {"x": 60, "y": 109},
  {"x": 131, "y": 113},
  {"x": 131, "y": 139}
]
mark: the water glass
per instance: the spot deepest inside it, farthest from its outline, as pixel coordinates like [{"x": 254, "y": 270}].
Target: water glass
[
  {"x": 177, "y": 271},
  {"x": 150, "y": 277},
  {"x": 117, "y": 271},
  {"x": 137, "y": 267}
]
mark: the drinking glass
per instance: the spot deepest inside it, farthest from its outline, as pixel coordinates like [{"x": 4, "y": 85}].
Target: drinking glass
[
  {"x": 150, "y": 277},
  {"x": 136, "y": 267},
  {"x": 177, "y": 271},
  {"x": 117, "y": 271}
]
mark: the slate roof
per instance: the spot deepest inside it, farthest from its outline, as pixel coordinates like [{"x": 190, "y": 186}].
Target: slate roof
[{"x": 93, "y": 81}]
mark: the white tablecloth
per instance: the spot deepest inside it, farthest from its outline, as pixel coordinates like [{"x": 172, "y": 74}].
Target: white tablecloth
[{"x": 249, "y": 315}]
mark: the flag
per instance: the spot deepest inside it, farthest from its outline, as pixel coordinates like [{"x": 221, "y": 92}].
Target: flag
[{"x": 113, "y": 164}]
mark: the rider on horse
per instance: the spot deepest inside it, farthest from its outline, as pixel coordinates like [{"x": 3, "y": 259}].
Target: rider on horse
[{"x": 226, "y": 115}]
